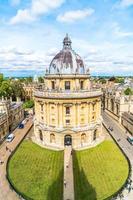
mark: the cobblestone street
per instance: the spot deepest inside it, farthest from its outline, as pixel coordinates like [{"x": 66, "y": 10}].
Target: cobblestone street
[
  {"x": 6, "y": 193},
  {"x": 120, "y": 136}
]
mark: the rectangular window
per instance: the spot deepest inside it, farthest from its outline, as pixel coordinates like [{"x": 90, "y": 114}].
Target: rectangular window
[
  {"x": 67, "y": 110},
  {"x": 42, "y": 107},
  {"x": 53, "y": 85},
  {"x": 67, "y": 85},
  {"x": 81, "y": 85},
  {"x": 67, "y": 121}
]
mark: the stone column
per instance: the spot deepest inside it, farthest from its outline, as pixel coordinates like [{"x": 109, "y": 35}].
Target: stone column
[
  {"x": 60, "y": 115},
  {"x": 87, "y": 113},
  {"x": 56, "y": 114},
  {"x": 74, "y": 114},
  {"x": 90, "y": 113},
  {"x": 47, "y": 113},
  {"x": 78, "y": 114}
]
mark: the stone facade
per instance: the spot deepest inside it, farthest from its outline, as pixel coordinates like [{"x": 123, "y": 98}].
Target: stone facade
[
  {"x": 11, "y": 114},
  {"x": 28, "y": 91},
  {"x": 116, "y": 103},
  {"x": 67, "y": 111},
  {"x": 127, "y": 121},
  {"x": 3, "y": 126}
]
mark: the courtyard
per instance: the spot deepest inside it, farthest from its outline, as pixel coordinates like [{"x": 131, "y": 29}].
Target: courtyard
[
  {"x": 99, "y": 172},
  {"x": 37, "y": 173}
]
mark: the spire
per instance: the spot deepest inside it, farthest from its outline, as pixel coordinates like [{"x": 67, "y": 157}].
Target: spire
[{"x": 67, "y": 42}]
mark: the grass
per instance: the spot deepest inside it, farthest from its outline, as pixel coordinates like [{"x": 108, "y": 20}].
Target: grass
[
  {"x": 99, "y": 172},
  {"x": 37, "y": 172}
]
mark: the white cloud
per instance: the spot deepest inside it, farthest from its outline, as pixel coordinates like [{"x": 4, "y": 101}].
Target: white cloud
[
  {"x": 36, "y": 9},
  {"x": 23, "y": 16},
  {"x": 126, "y": 3},
  {"x": 121, "y": 4},
  {"x": 75, "y": 15},
  {"x": 119, "y": 33},
  {"x": 40, "y": 7},
  {"x": 15, "y": 2}
]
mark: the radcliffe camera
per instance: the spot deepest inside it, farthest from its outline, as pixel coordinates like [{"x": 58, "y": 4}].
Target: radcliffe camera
[{"x": 66, "y": 100}]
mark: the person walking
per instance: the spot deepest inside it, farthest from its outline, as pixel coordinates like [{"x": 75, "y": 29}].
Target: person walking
[
  {"x": 65, "y": 183},
  {"x": 6, "y": 148}
]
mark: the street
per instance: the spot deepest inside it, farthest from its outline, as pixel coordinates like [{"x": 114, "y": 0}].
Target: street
[
  {"x": 119, "y": 134},
  {"x": 6, "y": 193}
]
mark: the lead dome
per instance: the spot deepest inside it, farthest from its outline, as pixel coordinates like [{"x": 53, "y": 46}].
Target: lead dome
[{"x": 67, "y": 61}]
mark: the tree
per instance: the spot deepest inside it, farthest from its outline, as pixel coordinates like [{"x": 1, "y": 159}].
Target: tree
[
  {"x": 29, "y": 80},
  {"x": 40, "y": 79},
  {"x": 28, "y": 104},
  {"x": 102, "y": 80},
  {"x": 6, "y": 89},
  {"x": 112, "y": 78},
  {"x": 17, "y": 88},
  {"x": 1, "y": 78},
  {"x": 119, "y": 80},
  {"x": 128, "y": 91}
]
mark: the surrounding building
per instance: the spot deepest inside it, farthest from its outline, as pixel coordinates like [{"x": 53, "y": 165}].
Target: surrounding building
[
  {"x": 67, "y": 109},
  {"x": 127, "y": 121},
  {"x": 115, "y": 102},
  {"x": 28, "y": 90},
  {"x": 3, "y": 126},
  {"x": 11, "y": 114}
]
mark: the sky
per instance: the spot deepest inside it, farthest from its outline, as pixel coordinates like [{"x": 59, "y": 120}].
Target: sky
[{"x": 32, "y": 31}]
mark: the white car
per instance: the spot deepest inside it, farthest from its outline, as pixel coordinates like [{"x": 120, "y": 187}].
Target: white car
[
  {"x": 10, "y": 137},
  {"x": 130, "y": 139}
]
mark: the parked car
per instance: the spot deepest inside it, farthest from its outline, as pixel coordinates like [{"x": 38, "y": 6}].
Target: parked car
[
  {"x": 24, "y": 121},
  {"x": 10, "y": 137},
  {"x": 110, "y": 128},
  {"x": 21, "y": 126},
  {"x": 130, "y": 139}
]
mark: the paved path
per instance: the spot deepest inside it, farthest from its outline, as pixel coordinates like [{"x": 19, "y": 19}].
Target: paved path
[
  {"x": 68, "y": 174},
  {"x": 119, "y": 134},
  {"x": 6, "y": 193}
]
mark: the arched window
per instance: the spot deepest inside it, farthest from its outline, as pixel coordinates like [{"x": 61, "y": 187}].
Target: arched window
[
  {"x": 117, "y": 109},
  {"x": 40, "y": 135},
  {"x": 95, "y": 135},
  {"x": 81, "y": 85},
  {"x": 67, "y": 110},
  {"x": 52, "y": 138},
  {"x": 112, "y": 105}
]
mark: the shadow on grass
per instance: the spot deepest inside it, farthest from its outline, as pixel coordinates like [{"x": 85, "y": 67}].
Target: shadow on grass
[
  {"x": 83, "y": 189},
  {"x": 55, "y": 191}
]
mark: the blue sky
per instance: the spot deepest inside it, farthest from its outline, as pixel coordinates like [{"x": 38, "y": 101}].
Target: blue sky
[{"x": 31, "y": 33}]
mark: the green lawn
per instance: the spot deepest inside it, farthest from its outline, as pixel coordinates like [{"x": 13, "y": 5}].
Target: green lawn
[
  {"x": 99, "y": 172},
  {"x": 37, "y": 172}
]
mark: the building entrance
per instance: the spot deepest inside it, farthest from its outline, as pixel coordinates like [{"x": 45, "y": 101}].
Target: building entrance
[{"x": 68, "y": 140}]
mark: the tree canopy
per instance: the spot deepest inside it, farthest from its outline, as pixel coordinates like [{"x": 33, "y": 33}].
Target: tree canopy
[
  {"x": 10, "y": 88},
  {"x": 128, "y": 91}
]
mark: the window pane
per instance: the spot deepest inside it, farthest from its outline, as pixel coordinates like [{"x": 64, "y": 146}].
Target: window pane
[
  {"x": 53, "y": 85},
  {"x": 67, "y": 85},
  {"x": 81, "y": 85},
  {"x": 67, "y": 110}
]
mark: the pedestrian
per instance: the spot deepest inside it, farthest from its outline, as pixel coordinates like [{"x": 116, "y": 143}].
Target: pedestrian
[
  {"x": 129, "y": 189},
  {"x": 65, "y": 183},
  {"x": 10, "y": 150},
  {"x": 1, "y": 162}
]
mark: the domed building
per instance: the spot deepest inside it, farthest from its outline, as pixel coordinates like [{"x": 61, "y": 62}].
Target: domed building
[{"x": 67, "y": 110}]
